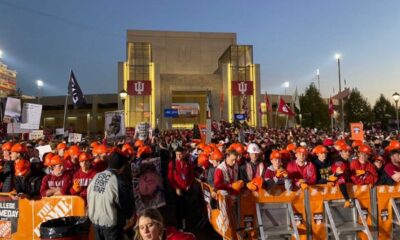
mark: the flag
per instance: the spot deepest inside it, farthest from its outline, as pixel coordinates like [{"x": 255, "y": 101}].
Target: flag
[
  {"x": 330, "y": 107},
  {"x": 284, "y": 108},
  {"x": 267, "y": 103},
  {"x": 296, "y": 100},
  {"x": 75, "y": 91}
]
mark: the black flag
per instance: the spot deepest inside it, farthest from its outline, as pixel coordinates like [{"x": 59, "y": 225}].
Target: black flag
[{"x": 75, "y": 91}]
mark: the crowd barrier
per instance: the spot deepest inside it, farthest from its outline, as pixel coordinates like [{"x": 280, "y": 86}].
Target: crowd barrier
[
  {"x": 21, "y": 219},
  {"x": 377, "y": 209}
]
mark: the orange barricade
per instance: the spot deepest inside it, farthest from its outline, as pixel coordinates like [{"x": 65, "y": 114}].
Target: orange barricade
[
  {"x": 385, "y": 210},
  {"x": 277, "y": 194},
  {"x": 320, "y": 193},
  {"x": 220, "y": 212},
  {"x": 26, "y": 216}
]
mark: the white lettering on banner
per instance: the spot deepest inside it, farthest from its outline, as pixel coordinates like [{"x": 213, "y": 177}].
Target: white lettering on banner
[
  {"x": 242, "y": 86},
  {"x": 7, "y": 205},
  {"x": 222, "y": 219},
  {"x": 139, "y": 87},
  {"x": 63, "y": 208},
  {"x": 9, "y": 213}
]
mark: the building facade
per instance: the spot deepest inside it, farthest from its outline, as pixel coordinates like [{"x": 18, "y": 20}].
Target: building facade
[
  {"x": 8, "y": 80},
  {"x": 198, "y": 74}
]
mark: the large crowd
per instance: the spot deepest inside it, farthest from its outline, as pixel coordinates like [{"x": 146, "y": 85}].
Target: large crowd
[{"x": 239, "y": 157}]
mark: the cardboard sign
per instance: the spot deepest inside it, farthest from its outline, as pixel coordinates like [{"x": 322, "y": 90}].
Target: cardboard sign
[
  {"x": 42, "y": 150},
  {"x": 15, "y": 128},
  {"x": 36, "y": 134},
  {"x": 114, "y": 124},
  {"x": 142, "y": 131},
  {"x": 31, "y": 114},
  {"x": 357, "y": 131},
  {"x": 74, "y": 137},
  {"x": 59, "y": 131},
  {"x": 12, "y": 112}
]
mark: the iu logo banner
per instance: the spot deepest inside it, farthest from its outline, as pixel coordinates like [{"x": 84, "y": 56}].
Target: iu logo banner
[
  {"x": 284, "y": 108},
  {"x": 242, "y": 88},
  {"x": 139, "y": 87}
]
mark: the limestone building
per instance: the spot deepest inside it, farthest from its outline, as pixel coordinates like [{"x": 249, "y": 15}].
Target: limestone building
[{"x": 198, "y": 74}]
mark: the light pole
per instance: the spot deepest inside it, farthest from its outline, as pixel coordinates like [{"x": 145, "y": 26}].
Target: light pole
[
  {"x": 338, "y": 56},
  {"x": 396, "y": 98},
  {"x": 319, "y": 85},
  {"x": 39, "y": 84},
  {"x": 1, "y": 53},
  {"x": 285, "y": 85},
  {"x": 122, "y": 95}
]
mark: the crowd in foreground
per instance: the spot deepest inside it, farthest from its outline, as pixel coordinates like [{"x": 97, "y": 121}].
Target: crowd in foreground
[{"x": 238, "y": 159}]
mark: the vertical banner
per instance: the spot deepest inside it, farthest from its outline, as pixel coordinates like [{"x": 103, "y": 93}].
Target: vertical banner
[
  {"x": 114, "y": 124},
  {"x": 385, "y": 210},
  {"x": 357, "y": 131}
]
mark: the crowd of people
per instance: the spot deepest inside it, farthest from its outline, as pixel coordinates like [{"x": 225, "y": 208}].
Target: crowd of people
[{"x": 238, "y": 158}]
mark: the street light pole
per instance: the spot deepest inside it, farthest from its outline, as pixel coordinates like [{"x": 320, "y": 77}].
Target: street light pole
[
  {"x": 396, "y": 98},
  {"x": 340, "y": 90},
  {"x": 39, "y": 84}
]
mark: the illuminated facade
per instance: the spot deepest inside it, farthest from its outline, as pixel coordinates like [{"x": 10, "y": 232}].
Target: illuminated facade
[
  {"x": 8, "y": 80},
  {"x": 188, "y": 71}
]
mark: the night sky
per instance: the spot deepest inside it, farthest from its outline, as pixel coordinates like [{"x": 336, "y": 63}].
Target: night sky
[{"x": 44, "y": 39}]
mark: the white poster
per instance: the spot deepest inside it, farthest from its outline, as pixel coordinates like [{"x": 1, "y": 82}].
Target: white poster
[
  {"x": 74, "y": 137},
  {"x": 59, "y": 131},
  {"x": 114, "y": 124},
  {"x": 13, "y": 110},
  {"x": 42, "y": 150},
  {"x": 36, "y": 134},
  {"x": 142, "y": 131},
  {"x": 15, "y": 128},
  {"x": 31, "y": 114}
]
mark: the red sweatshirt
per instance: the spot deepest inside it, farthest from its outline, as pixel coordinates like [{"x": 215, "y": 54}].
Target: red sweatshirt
[
  {"x": 370, "y": 176},
  {"x": 344, "y": 165},
  {"x": 180, "y": 174},
  {"x": 84, "y": 180},
  {"x": 306, "y": 172},
  {"x": 50, "y": 181},
  {"x": 100, "y": 166}
]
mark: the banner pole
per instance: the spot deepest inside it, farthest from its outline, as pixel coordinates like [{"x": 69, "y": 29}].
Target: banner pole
[{"x": 65, "y": 110}]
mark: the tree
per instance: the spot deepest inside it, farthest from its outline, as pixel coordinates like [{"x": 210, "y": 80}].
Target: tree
[
  {"x": 383, "y": 111},
  {"x": 314, "y": 110},
  {"x": 357, "y": 109}
]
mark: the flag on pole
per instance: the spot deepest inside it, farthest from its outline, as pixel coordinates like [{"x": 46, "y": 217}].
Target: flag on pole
[
  {"x": 296, "y": 100},
  {"x": 245, "y": 108},
  {"x": 73, "y": 88},
  {"x": 284, "y": 108},
  {"x": 330, "y": 107},
  {"x": 267, "y": 103}
]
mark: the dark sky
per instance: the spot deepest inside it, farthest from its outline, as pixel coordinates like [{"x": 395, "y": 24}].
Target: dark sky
[{"x": 44, "y": 39}]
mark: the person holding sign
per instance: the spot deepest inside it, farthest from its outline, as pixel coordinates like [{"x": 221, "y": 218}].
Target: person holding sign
[{"x": 58, "y": 182}]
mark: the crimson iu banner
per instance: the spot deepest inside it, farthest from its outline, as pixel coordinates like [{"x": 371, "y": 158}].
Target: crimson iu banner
[
  {"x": 242, "y": 88},
  {"x": 139, "y": 87}
]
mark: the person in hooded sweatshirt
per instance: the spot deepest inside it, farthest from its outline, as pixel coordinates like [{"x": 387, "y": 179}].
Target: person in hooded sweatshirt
[{"x": 322, "y": 164}]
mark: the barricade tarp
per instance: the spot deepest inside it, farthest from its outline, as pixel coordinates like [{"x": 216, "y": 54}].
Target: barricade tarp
[
  {"x": 220, "y": 212},
  {"x": 321, "y": 193},
  {"x": 28, "y": 215},
  {"x": 385, "y": 210}
]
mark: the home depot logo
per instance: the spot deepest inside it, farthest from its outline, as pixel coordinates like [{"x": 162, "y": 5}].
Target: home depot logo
[{"x": 51, "y": 211}]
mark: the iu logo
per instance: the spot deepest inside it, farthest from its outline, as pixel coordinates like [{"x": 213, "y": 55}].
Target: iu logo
[
  {"x": 139, "y": 87},
  {"x": 242, "y": 87},
  {"x": 285, "y": 108}
]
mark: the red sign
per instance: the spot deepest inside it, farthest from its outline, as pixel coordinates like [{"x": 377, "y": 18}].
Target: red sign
[
  {"x": 242, "y": 88},
  {"x": 139, "y": 87}
]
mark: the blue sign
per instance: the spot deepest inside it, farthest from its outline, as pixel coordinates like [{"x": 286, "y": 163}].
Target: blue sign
[
  {"x": 171, "y": 113},
  {"x": 240, "y": 117}
]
